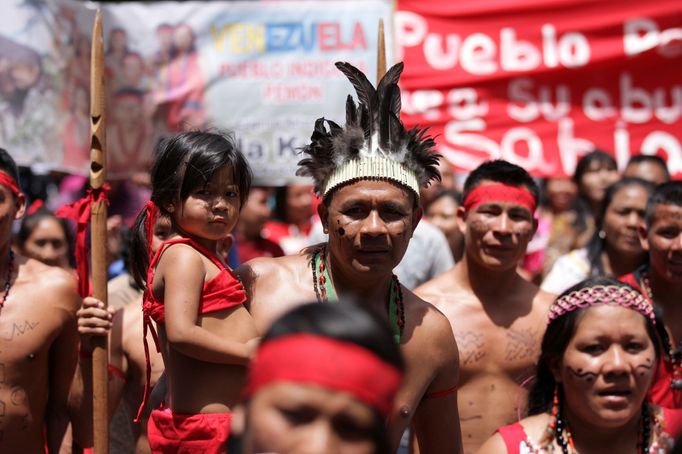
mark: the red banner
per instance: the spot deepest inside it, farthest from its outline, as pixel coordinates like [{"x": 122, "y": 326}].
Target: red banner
[{"x": 542, "y": 82}]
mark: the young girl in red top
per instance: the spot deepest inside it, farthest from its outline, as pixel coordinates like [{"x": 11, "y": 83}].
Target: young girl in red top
[{"x": 199, "y": 181}]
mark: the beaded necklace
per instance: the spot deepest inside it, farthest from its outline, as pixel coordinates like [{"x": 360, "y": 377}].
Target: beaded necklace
[
  {"x": 648, "y": 423},
  {"x": 325, "y": 292},
  {"x": 675, "y": 353},
  {"x": 8, "y": 280}
]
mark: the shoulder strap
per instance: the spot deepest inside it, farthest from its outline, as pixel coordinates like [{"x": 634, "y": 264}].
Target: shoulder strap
[{"x": 513, "y": 435}]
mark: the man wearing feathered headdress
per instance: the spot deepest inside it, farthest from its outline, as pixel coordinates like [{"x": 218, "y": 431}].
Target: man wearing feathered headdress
[{"x": 369, "y": 174}]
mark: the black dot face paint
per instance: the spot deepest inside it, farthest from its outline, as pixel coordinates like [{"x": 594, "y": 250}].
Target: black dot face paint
[
  {"x": 341, "y": 231},
  {"x": 587, "y": 376}
]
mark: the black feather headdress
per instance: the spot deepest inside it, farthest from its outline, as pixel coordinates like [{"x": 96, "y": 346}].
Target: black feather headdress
[{"x": 373, "y": 144}]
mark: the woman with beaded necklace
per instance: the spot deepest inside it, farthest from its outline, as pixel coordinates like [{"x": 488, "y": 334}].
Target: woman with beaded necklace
[{"x": 598, "y": 359}]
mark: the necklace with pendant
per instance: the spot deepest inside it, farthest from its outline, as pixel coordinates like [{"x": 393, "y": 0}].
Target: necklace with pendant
[{"x": 325, "y": 292}]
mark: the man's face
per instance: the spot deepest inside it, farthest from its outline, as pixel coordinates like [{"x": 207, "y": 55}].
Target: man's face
[
  {"x": 496, "y": 234},
  {"x": 370, "y": 224},
  {"x": 663, "y": 240},
  {"x": 646, "y": 170},
  {"x": 11, "y": 209}
]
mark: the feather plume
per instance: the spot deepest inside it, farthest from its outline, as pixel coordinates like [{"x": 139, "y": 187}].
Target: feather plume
[{"x": 375, "y": 117}]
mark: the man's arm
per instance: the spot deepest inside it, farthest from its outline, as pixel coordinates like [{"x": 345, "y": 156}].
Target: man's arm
[
  {"x": 62, "y": 364},
  {"x": 436, "y": 420}
]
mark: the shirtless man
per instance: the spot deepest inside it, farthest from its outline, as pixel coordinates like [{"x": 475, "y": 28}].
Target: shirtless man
[
  {"x": 498, "y": 318},
  {"x": 127, "y": 368},
  {"x": 38, "y": 336},
  {"x": 661, "y": 281},
  {"x": 370, "y": 209}
]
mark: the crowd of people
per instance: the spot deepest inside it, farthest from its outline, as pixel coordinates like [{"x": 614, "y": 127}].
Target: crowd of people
[{"x": 391, "y": 305}]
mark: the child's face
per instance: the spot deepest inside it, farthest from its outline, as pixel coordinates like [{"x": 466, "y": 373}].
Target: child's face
[{"x": 210, "y": 212}]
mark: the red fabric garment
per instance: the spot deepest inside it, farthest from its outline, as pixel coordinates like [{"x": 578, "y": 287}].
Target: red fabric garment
[
  {"x": 262, "y": 247},
  {"x": 79, "y": 211},
  {"x": 223, "y": 291},
  {"x": 172, "y": 433},
  {"x": 660, "y": 391},
  {"x": 672, "y": 422},
  {"x": 513, "y": 435}
]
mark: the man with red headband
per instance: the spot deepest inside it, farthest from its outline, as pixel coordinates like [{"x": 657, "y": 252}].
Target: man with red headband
[
  {"x": 38, "y": 336},
  {"x": 497, "y": 317},
  {"x": 660, "y": 280},
  {"x": 368, "y": 174}
]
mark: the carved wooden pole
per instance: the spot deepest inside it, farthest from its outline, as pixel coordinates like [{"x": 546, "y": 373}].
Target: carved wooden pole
[
  {"x": 381, "y": 52},
  {"x": 98, "y": 235}
]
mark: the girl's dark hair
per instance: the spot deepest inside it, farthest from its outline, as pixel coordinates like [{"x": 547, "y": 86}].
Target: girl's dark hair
[
  {"x": 596, "y": 244},
  {"x": 559, "y": 333},
  {"x": 599, "y": 156},
  {"x": 348, "y": 322},
  {"x": 30, "y": 222},
  {"x": 183, "y": 163}
]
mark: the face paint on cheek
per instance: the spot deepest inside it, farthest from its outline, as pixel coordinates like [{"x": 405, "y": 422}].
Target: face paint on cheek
[
  {"x": 645, "y": 367},
  {"x": 341, "y": 231},
  {"x": 588, "y": 376}
]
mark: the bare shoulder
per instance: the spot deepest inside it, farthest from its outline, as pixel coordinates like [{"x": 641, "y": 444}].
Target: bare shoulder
[
  {"x": 494, "y": 445},
  {"x": 543, "y": 300},
  {"x": 270, "y": 273},
  {"x": 427, "y": 325},
  {"x": 439, "y": 288},
  {"x": 57, "y": 287}
]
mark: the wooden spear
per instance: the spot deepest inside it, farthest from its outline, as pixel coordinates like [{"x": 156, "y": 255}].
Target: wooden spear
[
  {"x": 381, "y": 52},
  {"x": 98, "y": 235}
]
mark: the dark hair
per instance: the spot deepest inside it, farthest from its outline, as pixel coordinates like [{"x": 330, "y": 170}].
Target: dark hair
[
  {"x": 501, "y": 171},
  {"x": 348, "y": 322},
  {"x": 557, "y": 336},
  {"x": 669, "y": 193},
  {"x": 603, "y": 158},
  {"x": 653, "y": 159},
  {"x": 183, "y": 163},
  {"x": 279, "y": 211},
  {"x": 451, "y": 193},
  {"x": 8, "y": 165},
  {"x": 30, "y": 222},
  {"x": 596, "y": 244}
]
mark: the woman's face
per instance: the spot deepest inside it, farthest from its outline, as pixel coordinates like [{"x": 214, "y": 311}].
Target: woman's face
[
  {"x": 607, "y": 367},
  {"x": 561, "y": 193},
  {"x": 622, "y": 219},
  {"x": 596, "y": 179},
  {"x": 47, "y": 243},
  {"x": 289, "y": 418}
]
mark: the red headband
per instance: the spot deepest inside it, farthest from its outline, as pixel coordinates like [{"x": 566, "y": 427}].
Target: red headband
[
  {"x": 10, "y": 183},
  {"x": 332, "y": 364},
  {"x": 499, "y": 192}
]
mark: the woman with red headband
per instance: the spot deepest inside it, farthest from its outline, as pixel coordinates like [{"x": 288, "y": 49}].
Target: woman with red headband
[
  {"x": 598, "y": 359},
  {"x": 323, "y": 381}
]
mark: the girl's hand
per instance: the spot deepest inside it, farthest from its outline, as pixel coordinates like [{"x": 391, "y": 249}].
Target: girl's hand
[
  {"x": 252, "y": 346},
  {"x": 93, "y": 318}
]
